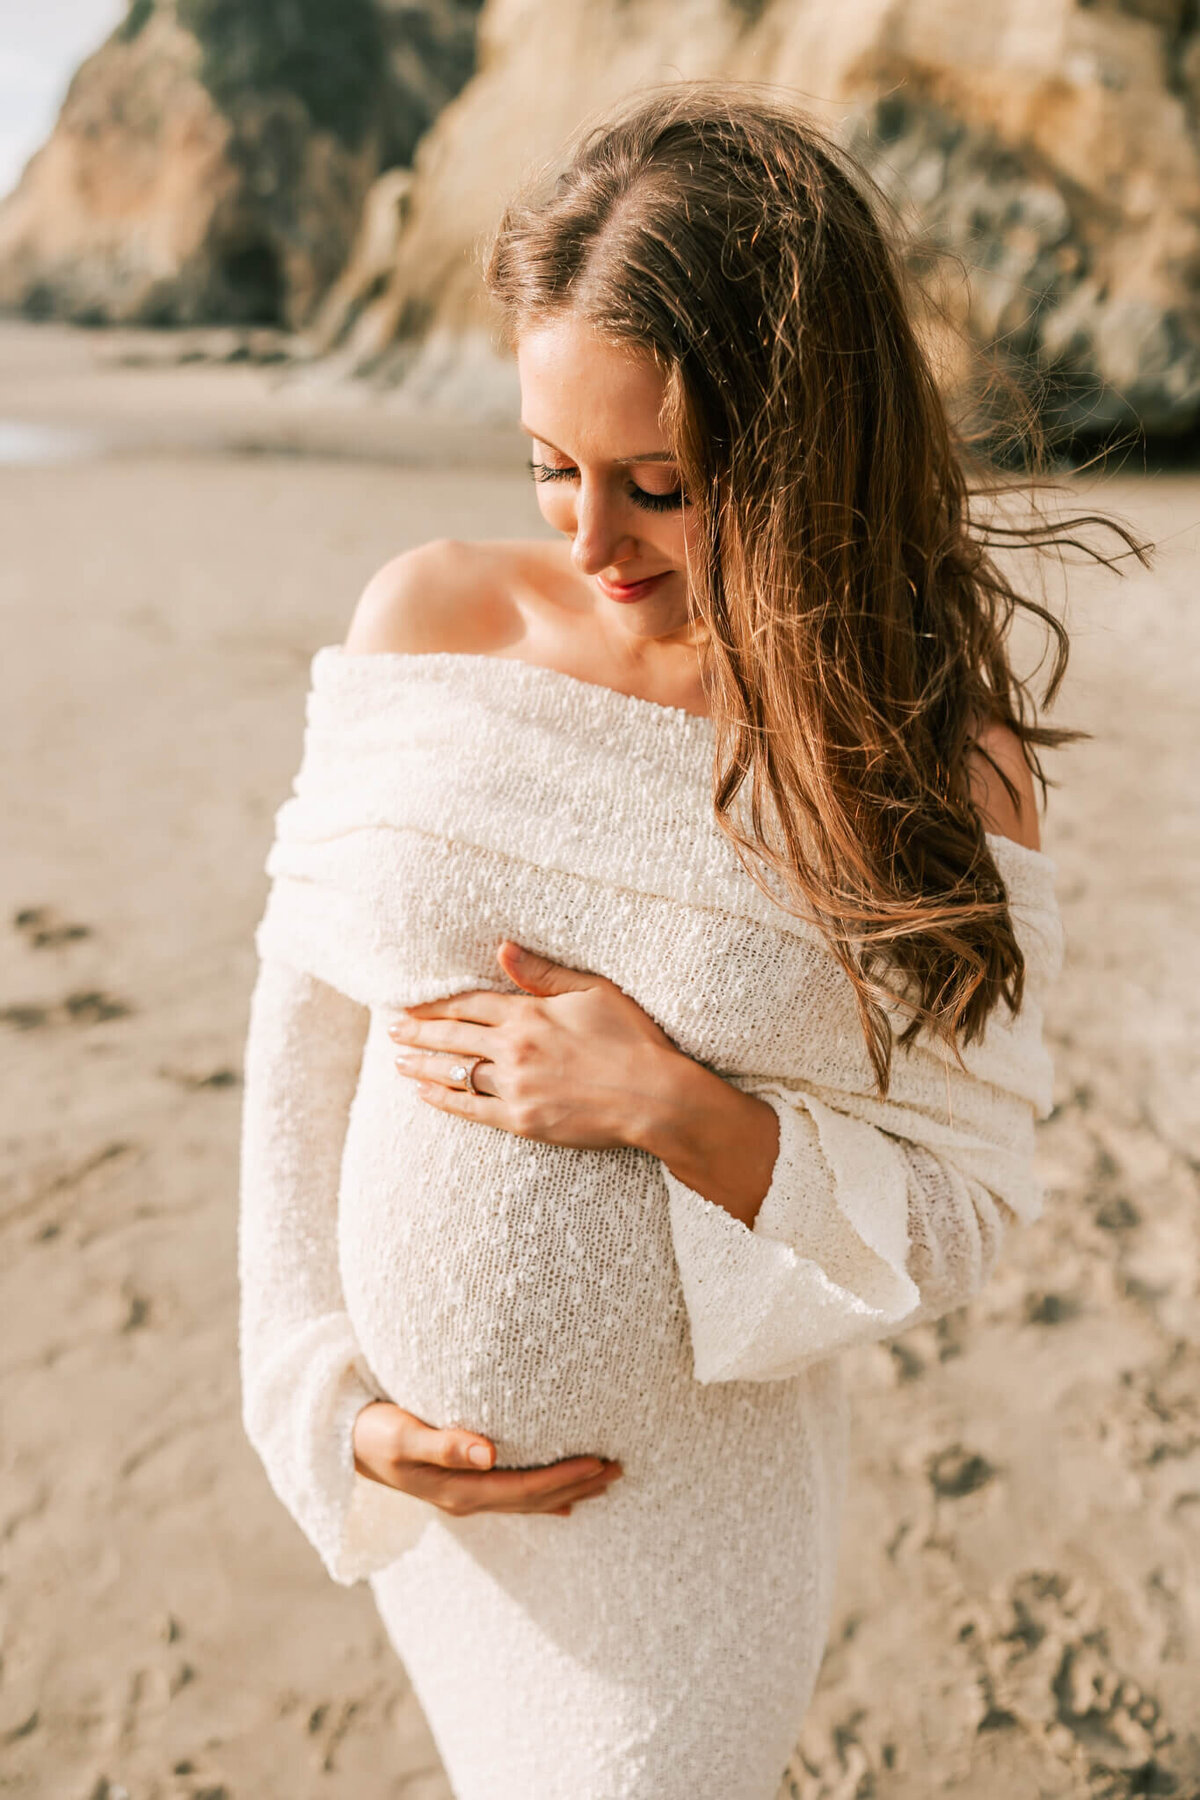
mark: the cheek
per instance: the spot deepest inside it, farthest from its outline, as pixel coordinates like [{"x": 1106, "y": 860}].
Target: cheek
[
  {"x": 670, "y": 535},
  {"x": 556, "y": 505},
  {"x": 680, "y": 537},
  {"x": 664, "y": 534}
]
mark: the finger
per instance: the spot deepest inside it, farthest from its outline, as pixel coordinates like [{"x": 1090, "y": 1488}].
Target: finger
[
  {"x": 538, "y": 975},
  {"x": 590, "y": 1490},
  {"x": 447, "y": 1447},
  {"x": 485, "y": 1109},
  {"x": 533, "y": 1489},
  {"x": 476, "y": 1493},
  {"x": 571, "y": 1496},
  {"x": 516, "y": 1488},
  {"x": 457, "y": 1035},
  {"x": 445, "y": 1066},
  {"x": 481, "y": 1006}
]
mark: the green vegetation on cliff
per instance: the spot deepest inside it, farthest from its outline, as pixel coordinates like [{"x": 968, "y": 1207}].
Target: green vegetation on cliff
[
  {"x": 329, "y": 53},
  {"x": 135, "y": 20}
]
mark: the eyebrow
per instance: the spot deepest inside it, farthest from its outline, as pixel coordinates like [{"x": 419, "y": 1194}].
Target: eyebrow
[{"x": 619, "y": 461}]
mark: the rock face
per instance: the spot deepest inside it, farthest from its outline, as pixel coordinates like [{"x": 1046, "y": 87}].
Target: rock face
[
  {"x": 430, "y": 47},
  {"x": 1050, "y": 145},
  {"x": 211, "y": 159}
]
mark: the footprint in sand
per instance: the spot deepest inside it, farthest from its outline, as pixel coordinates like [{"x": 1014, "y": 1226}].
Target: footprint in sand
[
  {"x": 955, "y": 1472},
  {"x": 1045, "y": 1668},
  {"x": 89, "y": 1007},
  {"x": 24, "y": 1018},
  {"x": 94, "y": 1007},
  {"x": 211, "y": 1079},
  {"x": 45, "y": 930}
]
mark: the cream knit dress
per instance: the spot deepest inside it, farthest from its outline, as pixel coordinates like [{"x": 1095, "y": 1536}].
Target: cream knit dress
[{"x": 662, "y": 1642}]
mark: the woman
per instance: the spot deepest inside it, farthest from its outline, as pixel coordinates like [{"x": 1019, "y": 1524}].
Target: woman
[{"x": 649, "y": 1004}]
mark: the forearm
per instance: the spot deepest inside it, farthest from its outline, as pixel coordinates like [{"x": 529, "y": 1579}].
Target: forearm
[
  {"x": 718, "y": 1141},
  {"x": 303, "y": 1050},
  {"x": 303, "y": 1376}
]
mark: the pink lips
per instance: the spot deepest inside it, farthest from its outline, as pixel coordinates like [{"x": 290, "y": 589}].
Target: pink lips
[{"x": 631, "y": 590}]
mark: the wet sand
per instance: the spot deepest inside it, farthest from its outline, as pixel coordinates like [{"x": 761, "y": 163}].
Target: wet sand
[{"x": 1019, "y": 1600}]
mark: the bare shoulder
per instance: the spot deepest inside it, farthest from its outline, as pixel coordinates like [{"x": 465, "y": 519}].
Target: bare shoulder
[
  {"x": 998, "y": 753},
  {"x": 447, "y": 594}
]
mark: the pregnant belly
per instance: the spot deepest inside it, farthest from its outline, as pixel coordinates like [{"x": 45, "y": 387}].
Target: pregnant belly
[{"x": 519, "y": 1289}]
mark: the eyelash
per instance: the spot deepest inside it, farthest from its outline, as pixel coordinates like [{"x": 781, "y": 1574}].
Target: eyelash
[{"x": 650, "y": 502}]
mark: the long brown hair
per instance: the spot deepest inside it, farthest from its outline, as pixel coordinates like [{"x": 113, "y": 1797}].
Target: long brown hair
[{"x": 856, "y": 623}]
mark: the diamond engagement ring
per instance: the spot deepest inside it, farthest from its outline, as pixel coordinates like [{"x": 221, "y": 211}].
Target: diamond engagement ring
[{"x": 464, "y": 1073}]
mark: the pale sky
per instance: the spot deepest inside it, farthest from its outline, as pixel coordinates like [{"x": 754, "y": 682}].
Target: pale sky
[{"x": 42, "y": 43}]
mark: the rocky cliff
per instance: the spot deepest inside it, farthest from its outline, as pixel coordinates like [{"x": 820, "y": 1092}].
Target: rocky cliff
[
  {"x": 1049, "y": 145},
  {"x": 211, "y": 159}
]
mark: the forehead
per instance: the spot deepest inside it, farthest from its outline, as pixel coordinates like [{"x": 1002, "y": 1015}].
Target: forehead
[{"x": 587, "y": 395}]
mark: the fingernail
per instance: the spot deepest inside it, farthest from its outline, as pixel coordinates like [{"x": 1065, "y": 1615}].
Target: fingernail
[{"x": 479, "y": 1455}]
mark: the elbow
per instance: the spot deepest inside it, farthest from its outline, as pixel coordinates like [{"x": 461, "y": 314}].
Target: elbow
[
  {"x": 952, "y": 1259},
  {"x": 993, "y": 1219}
]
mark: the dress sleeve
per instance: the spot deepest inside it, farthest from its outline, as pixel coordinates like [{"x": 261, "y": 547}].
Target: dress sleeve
[
  {"x": 304, "y": 1377},
  {"x": 860, "y": 1235}
]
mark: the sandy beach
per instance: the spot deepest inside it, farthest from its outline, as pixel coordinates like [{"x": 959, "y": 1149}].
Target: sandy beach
[{"x": 1019, "y": 1598}]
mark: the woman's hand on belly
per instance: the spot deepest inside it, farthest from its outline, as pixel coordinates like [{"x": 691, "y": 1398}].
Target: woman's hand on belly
[
  {"x": 452, "y": 1469},
  {"x": 571, "y": 1061}
]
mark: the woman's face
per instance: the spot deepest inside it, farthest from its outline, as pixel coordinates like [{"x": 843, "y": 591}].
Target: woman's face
[{"x": 605, "y": 474}]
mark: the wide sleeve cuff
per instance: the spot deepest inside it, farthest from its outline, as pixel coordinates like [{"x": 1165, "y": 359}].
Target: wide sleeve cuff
[
  {"x": 299, "y": 1412},
  {"x": 825, "y": 1264},
  {"x": 304, "y": 1376}
]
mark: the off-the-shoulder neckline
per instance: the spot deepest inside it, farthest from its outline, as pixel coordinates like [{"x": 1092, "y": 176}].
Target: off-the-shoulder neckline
[
  {"x": 392, "y": 658},
  {"x": 596, "y": 693}
]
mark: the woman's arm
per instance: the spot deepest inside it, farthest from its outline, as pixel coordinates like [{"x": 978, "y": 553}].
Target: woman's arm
[
  {"x": 798, "y": 1229},
  {"x": 712, "y": 1137},
  {"x": 358, "y": 1473},
  {"x": 857, "y": 1235},
  {"x": 854, "y": 1233},
  {"x": 801, "y": 1225},
  {"x": 304, "y": 1379}
]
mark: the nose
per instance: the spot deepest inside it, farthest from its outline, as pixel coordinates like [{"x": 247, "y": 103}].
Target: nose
[{"x": 600, "y": 540}]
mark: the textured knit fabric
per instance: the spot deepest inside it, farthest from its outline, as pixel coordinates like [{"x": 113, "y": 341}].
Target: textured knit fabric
[{"x": 662, "y": 1642}]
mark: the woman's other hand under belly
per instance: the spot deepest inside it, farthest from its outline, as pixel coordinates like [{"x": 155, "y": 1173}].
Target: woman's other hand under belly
[{"x": 454, "y": 1469}]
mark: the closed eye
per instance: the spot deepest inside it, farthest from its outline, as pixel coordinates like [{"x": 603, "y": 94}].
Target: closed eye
[{"x": 640, "y": 496}]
